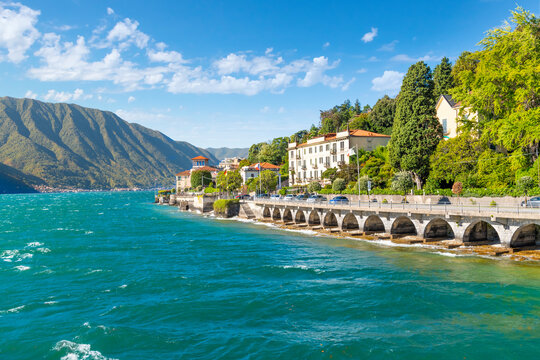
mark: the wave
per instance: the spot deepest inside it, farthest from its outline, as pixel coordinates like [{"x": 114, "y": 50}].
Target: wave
[
  {"x": 34, "y": 244},
  {"x": 13, "y": 310},
  {"x": 75, "y": 351},
  {"x": 22, "y": 267}
]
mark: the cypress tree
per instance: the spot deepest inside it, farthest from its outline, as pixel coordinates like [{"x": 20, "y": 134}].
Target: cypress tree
[
  {"x": 416, "y": 131},
  {"x": 443, "y": 79}
]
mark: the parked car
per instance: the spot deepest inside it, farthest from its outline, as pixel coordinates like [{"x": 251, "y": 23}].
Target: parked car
[
  {"x": 243, "y": 197},
  {"x": 316, "y": 199},
  {"x": 339, "y": 200},
  {"x": 532, "y": 202},
  {"x": 275, "y": 197},
  {"x": 288, "y": 197},
  {"x": 263, "y": 196},
  {"x": 301, "y": 197}
]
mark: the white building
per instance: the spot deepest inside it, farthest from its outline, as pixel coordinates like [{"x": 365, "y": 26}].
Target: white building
[
  {"x": 229, "y": 163},
  {"x": 448, "y": 115},
  {"x": 309, "y": 160},
  {"x": 252, "y": 171}
]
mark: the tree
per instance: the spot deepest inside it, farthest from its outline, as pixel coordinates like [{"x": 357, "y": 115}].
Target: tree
[
  {"x": 361, "y": 122},
  {"x": 329, "y": 174},
  {"x": 504, "y": 86},
  {"x": 230, "y": 182},
  {"x": 416, "y": 130},
  {"x": 269, "y": 180},
  {"x": 266, "y": 154},
  {"x": 363, "y": 183},
  {"x": 402, "y": 182},
  {"x": 339, "y": 184},
  {"x": 442, "y": 78},
  {"x": 314, "y": 186},
  {"x": 200, "y": 177},
  {"x": 243, "y": 162},
  {"x": 253, "y": 154},
  {"x": 382, "y": 116}
]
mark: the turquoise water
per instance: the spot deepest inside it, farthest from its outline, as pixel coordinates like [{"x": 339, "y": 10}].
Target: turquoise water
[{"x": 110, "y": 275}]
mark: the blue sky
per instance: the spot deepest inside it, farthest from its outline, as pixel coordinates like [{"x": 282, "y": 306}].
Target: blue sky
[{"x": 229, "y": 73}]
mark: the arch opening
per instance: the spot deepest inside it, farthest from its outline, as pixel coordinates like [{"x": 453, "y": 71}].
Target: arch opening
[
  {"x": 287, "y": 215},
  {"x": 374, "y": 224},
  {"x": 300, "y": 218},
  {"x": 438, "y": 228},
  {"x": 350, "y": 222},
  {"x": 330, "y": 220},
  {"x": 403, "y": 226},
  {"x": 276, "y": 215},
  {"x": 266, "y": 213},
  {"x": 526, "y": 236},
  {"x": 314, "y": 218},
  {"x": 481, "y": 232}
]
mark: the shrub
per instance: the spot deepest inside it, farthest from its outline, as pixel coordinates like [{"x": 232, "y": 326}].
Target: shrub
[
  {"x": 210, "y": 190},
  {"x": 223, "y": 204},
  {"x": 363, "y": 181},
  {"x": 338, "y": 184},
  {"x": 525, "y": 183},
  {"x": 282, "y": 191},
  {"x": 328, "y": 187},
  {"x": 493, "y": 203},
  {"x": 402, "y": 182},
  {"x": 384, "y": 201},
  {"x": 457, "y": 188},
  {"x": 200, "y": 177},
  {"x": 314, "y": 186}
]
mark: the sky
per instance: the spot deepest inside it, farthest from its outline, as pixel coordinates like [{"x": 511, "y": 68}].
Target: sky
[{"x": 230, "y": 73}]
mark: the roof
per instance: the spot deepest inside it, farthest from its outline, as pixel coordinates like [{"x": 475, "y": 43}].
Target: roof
[
  {"x": 264, "y": 166},
  {"x": 200, "y": 158},
  {"x": 450, "y": 101},
  {"x": 184, "y": 173},
  {"x": 364, "y": 133},
  {"x": 207, "y": 168}
]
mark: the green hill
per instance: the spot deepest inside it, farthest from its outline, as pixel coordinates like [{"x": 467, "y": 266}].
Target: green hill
[
  {"x": 13, "y": 181},
  {"x": 67, "y": 145}
]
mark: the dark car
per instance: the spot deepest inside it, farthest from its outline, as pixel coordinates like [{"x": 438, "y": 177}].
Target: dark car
[
  {"x": 301, "y": 197},
  {"x": 339, "y": 200},
  {"x": 316, "y": 199},
  {"x": 243, "y": 197},
  {"x": 532, "y": 202},
  {"x": 263, "y": 196}
]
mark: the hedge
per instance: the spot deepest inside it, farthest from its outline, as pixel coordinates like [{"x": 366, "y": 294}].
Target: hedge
[{"x": 223, "y": 204}]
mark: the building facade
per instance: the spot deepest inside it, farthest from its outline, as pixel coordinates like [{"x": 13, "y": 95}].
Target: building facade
[
  {"x": 229, "y": 164},
  {"x": 448, "y": 115},
  {"x": 307, "y": 161},
  {"x": 183, "y": 178},
  {"x": 252, "y": 171}
]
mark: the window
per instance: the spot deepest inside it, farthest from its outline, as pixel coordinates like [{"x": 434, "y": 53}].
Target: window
[
  {"x": 310, "y": 161},
  {"x": 315, "y": 149},
  {"x": 328, "y": 159},
  {"x": 292, "y": 164},
  {"x": 304, "y": 151},
  {"x": 342, "y": 157},
  {"x": 310, "y": 150},
  {"x": 320, "y": 160},
  {"x": 327, "y": 147},
  {"x": 335, "y": 158},
  {"x": 252, "y": 175},
  {"x": 292, "y": 154},
  {"x": 320, "y": 148},
  {"x": 342, "y": 145},
  {"x": 311, "y": 174},
  {"x": 316, "y": 175},
  {"x": 445, "y": 125}
]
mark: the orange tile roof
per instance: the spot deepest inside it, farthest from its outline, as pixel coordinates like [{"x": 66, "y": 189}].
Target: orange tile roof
[
  {"x": 208, "y": 168},
  {"x": 184, "y": 173},
  {"x": 200, "y": 158},
  {"x": 264, "y": 165},
  {"x": 366, "y": 133}
]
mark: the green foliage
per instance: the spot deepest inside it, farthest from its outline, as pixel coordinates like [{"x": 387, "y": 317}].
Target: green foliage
[
  {"x": 314, "y": 186},
  {"x": 338, "y": 184},
  {"x": 361, "y": 121},
  {"x": 382, "y": 116},
  {"x": 200, "y": 178},
  {"x": 493, "y": 203},
  {"x": 336, "y": 118},
  {"x": 402, "y": 182},
  {"x": 282, "y": 191},
  {"x": 243, "y": 162},
  {"x": 269, "y": 180},
  {"x": 230, "y": 182},
  {"x": 442, "y": 78},
  {"x": 330, "y": 174},
  {"x": 222, "y": 205},
  {"x": 525, "y": 183},
  {"x": 416, "y": 130},
  {"x": 210, "y": 189},
  {"x": 493, "y": 170},
  {"x": 363, "y": 182}
]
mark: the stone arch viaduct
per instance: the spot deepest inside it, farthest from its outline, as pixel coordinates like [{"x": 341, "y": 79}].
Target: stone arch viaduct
[{"x": 477, "y": 226}]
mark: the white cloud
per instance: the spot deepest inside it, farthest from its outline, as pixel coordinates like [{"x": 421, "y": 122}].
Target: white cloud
[
  {"x": 126, "y": 33},
  {"x": 315, "y": 73},
  {"x": 110, "y": 11},
  {"x": 326, "y": 44},
  {"x": 17, "y": 31},
  {"x": 30, "y": 95},
  {"x": 369, "y": 36},
  {"x": 348, "y": 84},
  {"x": 235, "y": 63},
  {"x": 403, "y": 57},
  {"x": 165, "y": 56},
  {"x": 61, "y": 96},
  {"x": 265, "y": 109},
  {"x": 373, "y": 59},
  {"x": 131, "y": 99},
  {"x": 281, "y": 110},
  {"x": 390, "y": 81},
  {"x": 407, "y": 58},
  {"x": 389, "y": 47},
  {"x": 361, "y": 71}
]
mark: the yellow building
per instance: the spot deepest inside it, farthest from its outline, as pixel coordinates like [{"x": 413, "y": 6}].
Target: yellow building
[{"x": 448, "y": 115}]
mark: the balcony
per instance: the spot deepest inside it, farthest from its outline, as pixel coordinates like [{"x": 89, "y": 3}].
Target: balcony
[
  {"x": 298, "y": 156},
  {"x": 333, "y": 151},
  {"x": 327, "y": 164},
  {"x": 340, "y": 163},
  {"x": 304, "y": 167},
  {"x": 315, "y": 166}
]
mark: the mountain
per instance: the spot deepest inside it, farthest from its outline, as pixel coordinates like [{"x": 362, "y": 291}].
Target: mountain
[
  {"x": 222, "y": 153},
  {"x": 67, "y": 145},
  {"x": 13, "y": 181}
]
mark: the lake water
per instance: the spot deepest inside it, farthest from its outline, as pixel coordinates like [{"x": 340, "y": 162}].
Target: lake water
[{"x": 113, "y": 276}]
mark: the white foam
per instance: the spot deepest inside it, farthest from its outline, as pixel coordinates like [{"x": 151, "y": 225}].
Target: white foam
[
  {"x": 34, "y": 244},
  {"x": 8, "y": 255},
  {"x": 50, "y": 302},
  {"x": 43, "y": 250},
  {"x": 24, "y": 256},
  {"x": 123, "y": 286},
  {"x": 78, "y": 351},
  {"x": 13, "y": 310},
  {"x": 88, "y": 232},
  {"x": 22, "y": 267}
]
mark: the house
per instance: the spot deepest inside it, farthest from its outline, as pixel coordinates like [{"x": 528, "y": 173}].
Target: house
[
  {"x": 252, "y": 171},
  {"x": 229, "y": 164},
  {"x": 183, "y": 178},
  {"x": 448, "y": 115},
  {"x": 307, "y": 161}
]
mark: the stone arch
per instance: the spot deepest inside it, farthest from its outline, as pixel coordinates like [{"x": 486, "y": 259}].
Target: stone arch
[
  {"x": 266, "y": 213},
  {"x": 300, "y": 217},
  {"x": 276, "y": 214},
  {"x": 287, "y": 215},
  {"x": 350, "y": 222},
  {"x": 373, "y": 223},
  {"x": 481, "y": 231},
  {"x": 330, "y": 220},
  {"x": 403, "y": 226},
  {"x": 527, "y": 235},
  {"x": 438, "y": 228},
  {"x": 314, "y": 218}
]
